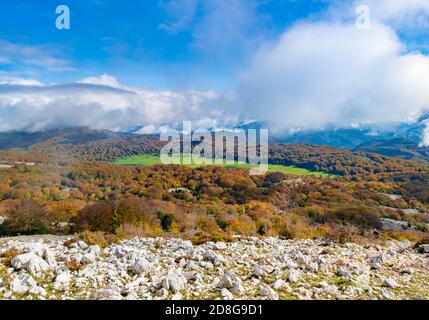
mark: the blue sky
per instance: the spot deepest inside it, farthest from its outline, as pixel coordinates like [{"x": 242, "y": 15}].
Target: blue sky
[
  {"x": 175, "y": 44},
  {"x": 300, "y": 63},
  {"x": 152, "y": 43}
]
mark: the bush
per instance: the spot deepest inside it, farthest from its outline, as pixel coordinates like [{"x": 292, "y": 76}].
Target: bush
[
  {"x": 341, "y": 234},
  {"x": 26, "y": 218},
  {"x": 206, "y": 229},
  {"x": 358, "y": 216},
  {"x": 135, "y": 211},
  {"x": 129, "y": 231},
  {"x": 96, "y": 217},
  {"x": 96, "y": 238},
  {"x": 242, "y": 225},
  {"x": 7, "y": 256},
  {"x": 166, "y": 220},
  {"x": 294, "y": 226}
]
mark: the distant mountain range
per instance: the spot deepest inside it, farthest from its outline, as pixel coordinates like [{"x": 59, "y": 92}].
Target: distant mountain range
[
  {"x": 16, "y": 139},
  {"x": 395, "y": 140}
]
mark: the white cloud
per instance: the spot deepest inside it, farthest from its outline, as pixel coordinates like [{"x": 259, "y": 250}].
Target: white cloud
[
  {"x": 103, "y": 80},
  {"x": 40, "y": 56},
  {"x": 181, "y": 13},
  {"x": 34, "y": 108},
  {"x": 224, "y": 30},
  {"x": 229, "y": 29},
  {"x": 396, "y": 10},
  {"x": 324, "y": 73},
  {"x": 19, "y": 81}
]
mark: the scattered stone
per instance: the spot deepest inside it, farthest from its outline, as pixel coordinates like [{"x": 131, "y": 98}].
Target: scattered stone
[
  {"x": 174, "y": 281},
  {"x": 220, "y": 246},
  {"x": 293, "y": 276},
  {"x": 424, "y": 248},
  {"x": 249, "y": 268},
  {"x": 226, "y": 294},
  {"x": 88, "y": 258},
  {"x": 387, "y": 294},
  {"x": 280, "y": 285},
  {"x": 22, "y": 283},
  {"x": 269, "y": 293},
  {"x": 177, "y": 296},
  {"x": 94, "y": 250},
  {"x": 258, "y": 271},
  {"x": 390, "y": 283},
  {"x": 30, "y": 262},
  {"x": 141, "y": 266},
  {"x": 62, "y": 281},
  {"x": 331, "y": 290}
]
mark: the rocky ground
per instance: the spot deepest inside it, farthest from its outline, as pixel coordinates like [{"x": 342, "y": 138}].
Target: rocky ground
[{"x": 49, "y": 268}]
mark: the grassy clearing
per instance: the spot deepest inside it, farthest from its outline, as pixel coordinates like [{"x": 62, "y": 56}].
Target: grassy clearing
[{"x": 151, "y": 160}]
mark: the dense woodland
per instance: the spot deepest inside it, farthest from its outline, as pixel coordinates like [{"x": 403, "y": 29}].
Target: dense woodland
[{"x": 80, "y": 190}]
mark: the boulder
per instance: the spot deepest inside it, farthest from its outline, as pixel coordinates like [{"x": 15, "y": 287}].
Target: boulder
[
  {"x": 62, "y": 281},
  {"x": 226, "y": 294},
  {"x": 22, "y": 283},
  {"x": 331, "y": 290},
  {"x": 175, "y": 281},
  {"x": 269, "y": 293},
  {"x": 293, "y": 276},
  {"x": 30, "y": 262},
  {"x": 280, "y": 285},
  {"x": 220, "y": 246},
  {"x": 94, "y": 250},
  {"x": 424, "y": 248},
  {"x": 141, "y": 265},
  {"x": 88, "y": 258},
  {"x": 258, "y": 271},
  {"x": 231, "y": 282},
  {"x": 390, "y": 283},
  {"x": 394, "y": 225},
  {"x": 49, "y": 257},
  {"x": 186, "y": 245}
]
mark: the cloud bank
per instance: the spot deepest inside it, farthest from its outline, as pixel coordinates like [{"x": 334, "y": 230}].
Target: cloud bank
[
  {"x": 322, "y": 73},
  {"x": 97, "y": 103}
]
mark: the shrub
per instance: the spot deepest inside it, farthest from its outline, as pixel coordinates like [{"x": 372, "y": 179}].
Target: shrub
[
  {"x": 27, "y": 217},
  {"x": 7, "y": 256},
  {"x": 166, "y": 220},
  {"x": 96, "y": 238},
  {"x": 357, "y": 216},
  {"x": 135, "y": 211},
  {"x": 129, "y": 231},
  {"x": 242, "y": 225},
  {"x": 73, "y": 265},
  {"x": 423, "y": 240},
  {"x": 222, "y": 223},
  {"x": 206, "y": 229},
  {"x": 294, "y": 226},
  {"x": 341, "y": 234},
  {"x": 96, "y": 217}
]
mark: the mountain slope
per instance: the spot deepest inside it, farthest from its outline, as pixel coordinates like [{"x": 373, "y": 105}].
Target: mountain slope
[{"x": 398, "y": 147}]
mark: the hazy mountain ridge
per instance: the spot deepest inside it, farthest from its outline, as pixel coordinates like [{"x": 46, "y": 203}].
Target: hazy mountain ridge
[{"x": 395, "y": 140}]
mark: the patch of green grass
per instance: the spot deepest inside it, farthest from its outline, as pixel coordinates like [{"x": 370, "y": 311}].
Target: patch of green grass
[{"x": 151, "y": 160}]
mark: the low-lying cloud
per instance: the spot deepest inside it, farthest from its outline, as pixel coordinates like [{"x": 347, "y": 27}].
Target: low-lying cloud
[
  {"x": 319, "y": 74},
  {"x": 95, "y": 103}
]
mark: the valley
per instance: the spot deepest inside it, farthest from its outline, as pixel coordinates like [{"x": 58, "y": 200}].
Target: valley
[
  {"x": 109, "y": 193},
  {"x": 151, "y": 160}
]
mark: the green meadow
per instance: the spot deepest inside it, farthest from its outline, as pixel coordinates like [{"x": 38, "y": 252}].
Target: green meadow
[{"x": 151, "y": 160}]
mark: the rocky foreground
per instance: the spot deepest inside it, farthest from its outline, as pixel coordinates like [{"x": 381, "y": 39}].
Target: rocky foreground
[{"x": 246, "y": 269}]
